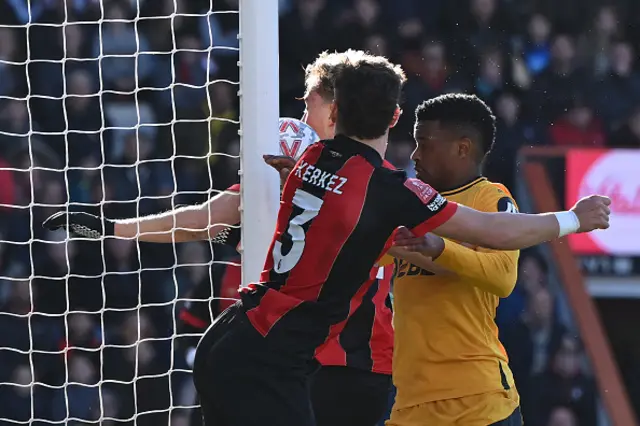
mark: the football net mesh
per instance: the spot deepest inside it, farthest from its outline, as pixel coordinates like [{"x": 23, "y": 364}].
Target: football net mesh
[{"x": 120, "y": 109}]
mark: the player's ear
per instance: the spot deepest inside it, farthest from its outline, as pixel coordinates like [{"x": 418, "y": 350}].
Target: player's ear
[
  {"x": 396, "y": 117},
  {"x": 464, "y": 147},
  {"x": 333, "y": 113}
]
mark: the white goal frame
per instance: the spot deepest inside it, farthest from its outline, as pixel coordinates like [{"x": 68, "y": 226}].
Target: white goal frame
[{"x": 259, "y": 113}]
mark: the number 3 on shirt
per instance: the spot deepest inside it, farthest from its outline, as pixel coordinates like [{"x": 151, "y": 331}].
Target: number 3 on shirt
[{"x": 310, "y": 206}]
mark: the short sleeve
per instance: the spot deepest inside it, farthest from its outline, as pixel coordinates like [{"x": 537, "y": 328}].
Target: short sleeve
[
  {"x": 421, "y": 208},
  {"x": 234, "y": 188},
  {"x": 495, "y": 198}
]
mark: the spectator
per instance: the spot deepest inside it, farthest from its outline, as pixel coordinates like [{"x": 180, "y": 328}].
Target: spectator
[
  {"x": 366, "y": 18},
  {"x": 56, "y": 259},
  {"x": 166, "y": 18},
  {"x": 377, "y": 45},
  {"x": 122, "y": 282},
  {"x": 562, "y": 416},
  {"x": 628, "y": 136},
  {"x": 7, "y": 187},
  {"x": 484, "y": 26},
  {"x": 120, "y": 68},
  {"x": 222, "y": 31},
  {"x": 225, "y": 173},
  {"x": 302, "y": 34},
  {"x": 533, "y": 271},
  {"x": 428, "y": 75},
  {"x": 513, "y": 132},
  {"x": 618, "y": 91},
  {"x": 83, "y": 338},
  {"x": 12, "y": 74},
  {"x": 21, "y": 395},
  {"x": 135, "y": 178},
  {"x": 596, "y": 44},
  {"x": 197, "y": 256},
  {"x": 532, "y": 276},
  {"x": 491, "y": 79},
  {"x": 578, "y": 127},
  {"x": 530, "y": 343},
  {"x": 80, "y": 398},
  {"x": 192, "y": 73},
  {"x": 15, "y": 125},
  {"x": 221, "y": 34},
  {"x": 84, "y": 119},
  {"x": 10, "y": 264},
  {"x": 21, "y": 335},
  {"x": 553, "y": 89},
  {"x": 537, "y": 51},
  {"x": 110, "y": 409},
  {"x": 51, "y": 75},
  {"x": 564, "y": 383},
  {"x": 140, "y": 380},
  {"x": 82, "y": 181}
]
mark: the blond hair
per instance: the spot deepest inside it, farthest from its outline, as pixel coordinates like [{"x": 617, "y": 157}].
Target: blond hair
[{"x": 320, "y": 74}]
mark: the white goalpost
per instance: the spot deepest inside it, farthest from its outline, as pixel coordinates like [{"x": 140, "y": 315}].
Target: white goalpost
[
  {"x": 259, "y": 113},
  {"x": 121, "y": 109}
]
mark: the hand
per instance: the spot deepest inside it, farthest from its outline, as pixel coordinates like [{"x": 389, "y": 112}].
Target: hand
[
  {"x": 593, "y": 213},
  {"x": 429, "y": 245},
  {"x": 80, "y": 224},
  {"x": 282, "y": 163}
]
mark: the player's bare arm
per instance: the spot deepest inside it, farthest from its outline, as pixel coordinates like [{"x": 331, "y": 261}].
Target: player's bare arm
[
  {"x": 191, "y": 223},
  {"x": 507, "y": 231}
]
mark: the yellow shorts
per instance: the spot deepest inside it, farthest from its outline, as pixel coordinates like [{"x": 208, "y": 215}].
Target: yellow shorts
[{"x": 475, "y": 410}]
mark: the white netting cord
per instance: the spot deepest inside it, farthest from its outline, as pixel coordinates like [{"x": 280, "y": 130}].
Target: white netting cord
[{"x": 120, "y": 110}]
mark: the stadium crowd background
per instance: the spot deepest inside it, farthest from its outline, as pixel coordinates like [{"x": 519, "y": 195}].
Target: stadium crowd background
[{"x": 556, "y": 73}]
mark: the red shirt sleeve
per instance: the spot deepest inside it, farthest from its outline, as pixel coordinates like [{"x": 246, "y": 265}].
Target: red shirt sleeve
[
  {"x": 422, "y": 208},
  {"x": 234, "y": 188},
  {"x": 443, "y": 215}
]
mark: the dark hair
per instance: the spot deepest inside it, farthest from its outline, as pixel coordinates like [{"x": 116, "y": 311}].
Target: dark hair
[
  {"x": 367, "y": 92},
  {"x": 458, "y": 110},
  {"x": 535, "y": 255}
]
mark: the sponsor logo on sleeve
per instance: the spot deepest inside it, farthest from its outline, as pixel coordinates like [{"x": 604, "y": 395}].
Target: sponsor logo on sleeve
[
  {"x": 436, "y": 203},
  {"x": 506, "y": 204},
  {"x": 423, "y": 191}
]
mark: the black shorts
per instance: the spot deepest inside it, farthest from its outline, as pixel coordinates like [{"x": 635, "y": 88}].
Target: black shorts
[
  {"x": 343, "y": 396},
  {"x": 242, "y": 381}
]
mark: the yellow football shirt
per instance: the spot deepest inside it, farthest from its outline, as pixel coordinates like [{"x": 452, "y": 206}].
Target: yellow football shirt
[{"x": 446, "y": 338}]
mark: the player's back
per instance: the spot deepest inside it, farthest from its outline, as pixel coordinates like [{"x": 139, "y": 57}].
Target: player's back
[
  {"x": 339, "y": 208},
  {"x": 446, "y": 339}
]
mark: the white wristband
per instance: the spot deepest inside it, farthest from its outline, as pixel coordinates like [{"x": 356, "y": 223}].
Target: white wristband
[{"x": 568, "y": 222}]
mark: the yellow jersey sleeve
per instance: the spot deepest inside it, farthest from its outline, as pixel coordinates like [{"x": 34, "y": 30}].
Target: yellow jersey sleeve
[{"x": 492, "y": 271}]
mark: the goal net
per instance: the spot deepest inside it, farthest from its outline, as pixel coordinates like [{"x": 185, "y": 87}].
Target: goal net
[{"x": 121, "y": 109}]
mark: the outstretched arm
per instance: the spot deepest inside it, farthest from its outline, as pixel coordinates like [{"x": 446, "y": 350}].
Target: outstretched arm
[
  {"x": 508, "y": 231},
  {"x": 191, "y": 223},
  {"x": 505, "y": 231}
]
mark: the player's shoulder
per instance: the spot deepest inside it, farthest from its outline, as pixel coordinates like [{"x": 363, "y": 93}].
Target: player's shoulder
[
  {"x": 389, "y": 174},
  {"x": 494, "y": 196}
]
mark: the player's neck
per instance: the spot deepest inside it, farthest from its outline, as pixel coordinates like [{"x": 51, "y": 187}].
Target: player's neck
[
  {"x": 379, "y": 144},
  {"x": 465, "y": 178}
]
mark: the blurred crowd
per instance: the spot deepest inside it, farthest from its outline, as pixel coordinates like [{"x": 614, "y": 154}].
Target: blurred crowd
[{"x": 129, "y": 107}]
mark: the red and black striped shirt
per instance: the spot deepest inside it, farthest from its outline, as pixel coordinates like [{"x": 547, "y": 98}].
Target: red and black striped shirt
[
  {"x": 339, "y": 208},
  {"x": 365, "y": 343}
]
